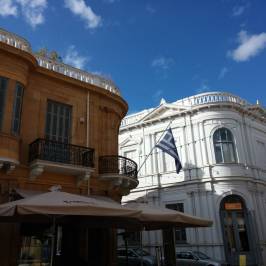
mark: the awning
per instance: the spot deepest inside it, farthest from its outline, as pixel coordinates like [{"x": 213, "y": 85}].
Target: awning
[
  {"x": 24, "y": 193},
  {"x": 154, "y": 217},
  {"x": 96, "y": 208},
  {"x": 135, "y": 196},
  {"x": 63, "y": 203}
]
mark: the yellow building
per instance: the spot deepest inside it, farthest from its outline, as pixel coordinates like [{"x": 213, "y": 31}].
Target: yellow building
[{"x": 58, "y": 127}]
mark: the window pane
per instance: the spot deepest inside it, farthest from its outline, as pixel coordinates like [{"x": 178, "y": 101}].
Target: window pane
[
  {"x": 180, "y": 207},
  {"x": 17, "y": 109},
  {"x": 216, "y": 136},
  {"x": 228, "y": 153},
  {"x": 229, "y": 135},
  {"x": 3, "y": 86},
  {"x": 15, "y": 125},
  {"x": 54, "y": 125},
  {"x": 180, "y": 234},
  {"x": 218, "y": 153},
  {"x": 223, "y": 133},
  {"x": 242, "y": 231},
  {"x": 232, "y": 152},
  {"x": 58, "y": 121},
  {"x": 224, "y": 146},
  {"x": 48, "y": 125},
  {"x": 229, "y": 232}
]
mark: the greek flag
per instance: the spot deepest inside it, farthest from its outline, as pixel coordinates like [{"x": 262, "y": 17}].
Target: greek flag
[{"x": 167, "y": 144}]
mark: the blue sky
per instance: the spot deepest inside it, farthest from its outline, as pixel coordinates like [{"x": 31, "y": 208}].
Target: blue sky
[{"x": 153, "y": 49}]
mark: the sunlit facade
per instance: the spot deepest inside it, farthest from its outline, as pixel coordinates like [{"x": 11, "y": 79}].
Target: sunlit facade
[{"x": 221, "y": 141}]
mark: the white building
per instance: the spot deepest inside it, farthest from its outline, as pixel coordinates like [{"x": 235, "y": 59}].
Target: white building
[{"x": 221, "y": 141}]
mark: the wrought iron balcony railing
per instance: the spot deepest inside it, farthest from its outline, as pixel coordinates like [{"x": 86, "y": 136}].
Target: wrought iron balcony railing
[
  {"x": 118, "y": 165},
  {"x": 53, "y": 151}
]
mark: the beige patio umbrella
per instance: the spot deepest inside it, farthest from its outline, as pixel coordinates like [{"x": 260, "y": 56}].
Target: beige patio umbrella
[
  {"x": 154, "y": 217},
  {"x": 57, "y": 204},
  {"x": 63, "y": 203}
]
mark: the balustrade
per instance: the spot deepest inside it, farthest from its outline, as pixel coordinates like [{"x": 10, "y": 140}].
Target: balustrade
[
  {"x": 216, "y": 97},
  {"x": 67, "y": 70},
  {"x": 14, "y": 40}
]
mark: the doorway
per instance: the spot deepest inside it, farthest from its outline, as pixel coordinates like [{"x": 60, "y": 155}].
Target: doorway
[{"x": 238, "y": 234}]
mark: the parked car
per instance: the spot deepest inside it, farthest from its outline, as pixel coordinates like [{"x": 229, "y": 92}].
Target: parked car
[
  {"x": 133, "y": 256},
  {"x": 197, "y": 258}
]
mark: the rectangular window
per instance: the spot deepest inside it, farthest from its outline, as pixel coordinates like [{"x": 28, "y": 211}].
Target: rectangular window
[
  {"x": 261, "y": 154},
  {"x": 58, "y": 122},
  {"x": 180, "y": 234},
  {"x": 3, "y": 87},
  {"x": 17, "y": 106}
]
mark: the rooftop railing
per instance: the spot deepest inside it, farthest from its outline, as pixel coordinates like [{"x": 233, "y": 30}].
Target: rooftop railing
[
  {"x": 14, "y": 40},
  {"x": 67, "y": 70},
  {"x": 78, "y": 74},
  {"x": 194, "y": 101},
  {"x": 212, "y": 98}
]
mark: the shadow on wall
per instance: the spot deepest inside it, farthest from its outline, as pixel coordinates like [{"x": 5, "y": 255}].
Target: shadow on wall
[
  {"x": 192, "y": 172},
  {"x": 226, "y": 242}
]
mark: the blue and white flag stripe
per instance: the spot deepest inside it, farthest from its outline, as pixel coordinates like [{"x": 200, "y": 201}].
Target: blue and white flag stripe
[{"x": 167, "y": 145}]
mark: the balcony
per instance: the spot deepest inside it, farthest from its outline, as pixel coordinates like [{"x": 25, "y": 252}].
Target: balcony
[
  {"x": 57, "y": 157},
  {"x": 9, "y": 152},
  {"x": 120, "y": 171}
]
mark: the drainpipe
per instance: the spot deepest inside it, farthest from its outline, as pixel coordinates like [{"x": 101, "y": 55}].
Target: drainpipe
[{"x": 87, "y": 129}]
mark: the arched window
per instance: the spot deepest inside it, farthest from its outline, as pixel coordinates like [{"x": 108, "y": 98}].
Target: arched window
[{"x": 224, "y": 147}]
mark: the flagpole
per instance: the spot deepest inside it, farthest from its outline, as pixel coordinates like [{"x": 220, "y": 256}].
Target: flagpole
[{"x": 154, "y": 146}]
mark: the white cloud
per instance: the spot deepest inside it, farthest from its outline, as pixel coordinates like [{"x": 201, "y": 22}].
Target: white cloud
[
  {"x": 162, "y": 63},
  {"x": 249, "y": 46},
  {"x": 157, "y": 94},
  {"x": 238, "y": 10},
  {"x": 204, "y": 87},
  {"x": 102, "y": 74},
  {"x": 110, "y": 1},
  {"x": 223, "y": 72},
  {"x": 7, "y": 8},
  {"x": 74, "y": 59},
  {"x": 79, "y": 8},
  {"x": 150, "y": 9},
  {"x": 33, "y": 10}
]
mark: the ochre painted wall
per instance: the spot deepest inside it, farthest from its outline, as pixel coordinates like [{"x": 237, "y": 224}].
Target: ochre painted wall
[{"x": 105, "y": 110}]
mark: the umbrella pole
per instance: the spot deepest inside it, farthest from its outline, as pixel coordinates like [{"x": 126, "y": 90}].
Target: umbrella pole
[
  {"x": 126, "y": 249},
  {"x": 53, "y": 242},
  {"x": 141, "y": 248}
]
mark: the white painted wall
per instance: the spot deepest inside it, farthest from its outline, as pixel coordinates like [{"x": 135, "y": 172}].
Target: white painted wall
[{"x": 201, "y": 184}]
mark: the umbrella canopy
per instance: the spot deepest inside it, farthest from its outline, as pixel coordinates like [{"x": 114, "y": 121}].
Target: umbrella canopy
[
  {"x": 63, "y": 203},
  {"x": 154, "y": 217},
  {"x": 66, "y": 204}
]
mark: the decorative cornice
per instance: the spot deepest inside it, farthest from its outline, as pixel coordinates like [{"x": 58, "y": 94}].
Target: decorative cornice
[
  {"x": 194, "y": 104},
  {"x": 66, "y": 70}
]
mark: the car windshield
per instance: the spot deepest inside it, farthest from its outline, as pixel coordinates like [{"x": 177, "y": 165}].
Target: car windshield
[
  {"x": 201, "y": 255},
  {"x": 141, "y": 252}
]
